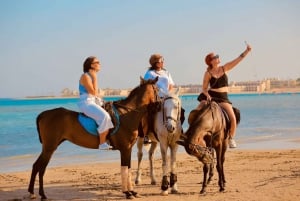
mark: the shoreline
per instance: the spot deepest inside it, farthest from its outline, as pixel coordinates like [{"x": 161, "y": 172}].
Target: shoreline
[
  {"x": 273, "y": 92},
  {"x": 262, "y": 175},
  {"x": 20, "y": 163}
]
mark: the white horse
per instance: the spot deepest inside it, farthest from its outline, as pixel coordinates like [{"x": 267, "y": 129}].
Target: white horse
[{"x": 167, "y": 130}]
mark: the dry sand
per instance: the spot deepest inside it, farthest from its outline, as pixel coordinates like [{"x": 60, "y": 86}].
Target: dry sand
[{"x": 265, "y": 175}]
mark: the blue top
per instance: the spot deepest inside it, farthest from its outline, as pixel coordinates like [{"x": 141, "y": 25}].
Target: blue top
[{"x": 82, "y": 89}]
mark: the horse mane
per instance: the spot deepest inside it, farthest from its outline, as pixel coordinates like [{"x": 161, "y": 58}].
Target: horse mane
[
  {"x": 198, "y": 114},
  {"x": 144, "y": 82},
  {"x": 204, "y": 109}
]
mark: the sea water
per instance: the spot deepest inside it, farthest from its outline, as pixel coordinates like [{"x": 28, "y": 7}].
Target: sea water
[{"x": 268, "y": 121}]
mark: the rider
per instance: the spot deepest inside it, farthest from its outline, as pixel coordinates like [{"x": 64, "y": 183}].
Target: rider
[
  {"x": 165, "y": 82},
  {"x": 89, "y": 100},
  {"x": 216, "y": 78}
]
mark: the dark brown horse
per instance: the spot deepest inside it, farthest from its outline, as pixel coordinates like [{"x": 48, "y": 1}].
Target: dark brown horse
[
  {"x": 59, "y": 124},
  {"x": 208, "y": 131}
]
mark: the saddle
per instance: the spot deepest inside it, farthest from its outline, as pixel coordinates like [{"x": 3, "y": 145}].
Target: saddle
[
  {"x": 90, "y": 124},
  {"x": 193, "y": 114}
]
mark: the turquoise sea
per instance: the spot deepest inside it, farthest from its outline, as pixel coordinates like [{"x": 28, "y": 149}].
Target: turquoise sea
[{"x": 268, "y": 121}]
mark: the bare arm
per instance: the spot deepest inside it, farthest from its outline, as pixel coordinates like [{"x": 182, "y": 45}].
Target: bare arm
[
  {"x": 90, "y": 84},
  {"x": 230, "y": 65},
  {"x": 205, "y": 84}
]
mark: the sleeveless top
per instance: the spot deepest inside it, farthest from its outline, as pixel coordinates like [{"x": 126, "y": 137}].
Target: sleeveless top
[
  {"x": 216, "y": 83},
  {"x": 164, "y": 78},
  {"x": 82, "y": 89}
]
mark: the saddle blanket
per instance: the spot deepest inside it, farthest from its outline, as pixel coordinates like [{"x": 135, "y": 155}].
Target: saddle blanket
[{"x": 88, "y": 124}]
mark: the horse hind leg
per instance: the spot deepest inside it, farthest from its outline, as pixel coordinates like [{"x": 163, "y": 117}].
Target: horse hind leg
[
  {"x": 173, "y": 183},
  {"x": 139, "y": 143},
  {"x": 39, "y": 167},
  {"x": 164, "y": 185},
  {"x": 151, "y": 161}
]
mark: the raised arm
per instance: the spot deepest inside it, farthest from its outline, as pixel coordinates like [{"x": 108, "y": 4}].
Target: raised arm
[{"x": 230, "y": 65}]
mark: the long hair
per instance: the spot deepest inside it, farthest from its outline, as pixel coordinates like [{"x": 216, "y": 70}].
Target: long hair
[{"x": 87, "y": 63}]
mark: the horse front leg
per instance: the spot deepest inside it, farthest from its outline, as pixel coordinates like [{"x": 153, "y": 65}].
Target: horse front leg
[
  {"x": 173, "y": 176},
  {"x": 139, "y": 143},
  {"x": 126, "y": 179},
  {"x": 211, "y": 169},
  {"x": 204, "y": 182},
  {"x": 165, "y": 182},
  {"x": 220, "y": 169}
]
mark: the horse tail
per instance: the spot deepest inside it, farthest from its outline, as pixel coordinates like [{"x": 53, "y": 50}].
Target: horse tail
[
  {"x": 38, "y": 126},
  {"x": 237, "y": 115}
]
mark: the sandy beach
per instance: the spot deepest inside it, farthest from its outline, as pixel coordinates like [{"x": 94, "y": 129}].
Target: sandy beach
[{"x": 262, "y": 175}]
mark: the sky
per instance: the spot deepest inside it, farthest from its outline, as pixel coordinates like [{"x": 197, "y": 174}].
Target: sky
[{"x": 43, "y": 43}]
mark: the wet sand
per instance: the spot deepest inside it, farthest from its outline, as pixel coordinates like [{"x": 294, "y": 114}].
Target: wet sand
[{"x": 262, "y": 175}]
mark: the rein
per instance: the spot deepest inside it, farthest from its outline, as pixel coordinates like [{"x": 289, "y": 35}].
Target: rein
[
  {"x": 139, "y": 110},
  {"x": 143, "y": 108}
]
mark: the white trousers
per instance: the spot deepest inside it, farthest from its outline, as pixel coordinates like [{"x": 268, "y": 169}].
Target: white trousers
[{"x": 88, "y": 106}]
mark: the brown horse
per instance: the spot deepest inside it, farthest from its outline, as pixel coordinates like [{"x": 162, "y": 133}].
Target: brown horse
[
  {"x": 208, "y": 131},
  {"x": 59, "y": 124}
]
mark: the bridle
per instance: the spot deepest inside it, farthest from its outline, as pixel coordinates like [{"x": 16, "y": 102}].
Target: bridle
[{"x": 166, "y": 117}]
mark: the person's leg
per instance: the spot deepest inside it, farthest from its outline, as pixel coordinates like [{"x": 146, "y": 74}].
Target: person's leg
[
  {"x": 103, "y": 136},
  {"x": 103, "y": 130},
  {"x": 102, "y": 118},
  {"x": 143, "y": 130},
  {"x": 231, "y": 115}
]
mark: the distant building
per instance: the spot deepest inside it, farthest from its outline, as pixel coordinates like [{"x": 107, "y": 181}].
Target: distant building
[{"x": 266, "y": 85}]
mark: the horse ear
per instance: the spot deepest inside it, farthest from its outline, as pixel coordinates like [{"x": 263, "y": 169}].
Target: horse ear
[
  {"x": 156, "y": 79},
  {"x": 142, "y": 81}
]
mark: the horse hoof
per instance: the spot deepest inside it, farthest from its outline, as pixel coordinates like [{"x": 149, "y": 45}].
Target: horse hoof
[
  {"x": 137, "y": 182},
  {"x": 31, "y": 196},
  {"x": 164, "y": 193},
  {"x": 174, "y": 191},
  {"x": 202, "y": 192},
  {"x": 128, "y": 195},
  {"x": 153, "y": 182},
  {"x": 135, "y": 194}
]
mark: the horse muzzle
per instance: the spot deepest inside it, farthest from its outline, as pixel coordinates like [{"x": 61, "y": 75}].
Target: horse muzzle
[
  {"x": 204, "y": 154},
  {"x": 170, "y": 127},
  {"x": 171, "y": 124}
]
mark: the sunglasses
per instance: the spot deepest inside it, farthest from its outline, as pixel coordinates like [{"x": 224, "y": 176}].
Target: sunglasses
[
  {"x": 215, "y": 57},
  {"x": 96, "y": 62}
]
